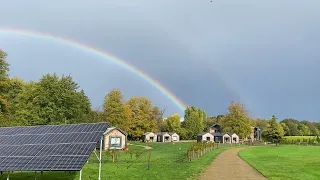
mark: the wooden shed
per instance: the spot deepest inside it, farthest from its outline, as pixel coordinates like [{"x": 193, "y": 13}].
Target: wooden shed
[
  {"x": 234, "y": 138},
  {"x": 149, "y": 137},
  {"x": 114, "y": 138},
  {"x": 221, "y": 137},
  {"x": 167, "y": 137},
  {"x": 205, "y": 136}
]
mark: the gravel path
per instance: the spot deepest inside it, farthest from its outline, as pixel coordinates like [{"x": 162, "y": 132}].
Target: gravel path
[{"x": 229, "y": 166}]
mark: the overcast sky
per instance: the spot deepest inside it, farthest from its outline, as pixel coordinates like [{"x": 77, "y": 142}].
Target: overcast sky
[{"x": 265, "y": 54}]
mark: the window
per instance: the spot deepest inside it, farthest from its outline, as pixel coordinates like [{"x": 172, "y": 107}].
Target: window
[
  {"x": 208, "y": 138},
  {"x": 166, "y": 138},
  {"x": 115, "y": 142},
  {"x": 174, "y": 138}
]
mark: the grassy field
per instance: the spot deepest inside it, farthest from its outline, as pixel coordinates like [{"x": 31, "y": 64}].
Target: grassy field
[
  {"x": 168, "y": 161},
  {"x": 285, "y": 162}
]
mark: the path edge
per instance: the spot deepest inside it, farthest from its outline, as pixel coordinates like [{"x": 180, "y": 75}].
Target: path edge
[
  {"x": 199, "y": 174},
  {"x": 250, "y": 163}
]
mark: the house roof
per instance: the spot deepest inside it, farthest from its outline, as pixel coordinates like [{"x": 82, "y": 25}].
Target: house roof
[
  {"x": 219, "y": 134},
  {"x": 231, "y": 133},
  {"x": 114, "y": 128},
  {"x": 147, "y": 133},
  {"x": 163, "y": 133},
  {"x": 203, "y": 133},
  {"x": 216, "y": 126}
]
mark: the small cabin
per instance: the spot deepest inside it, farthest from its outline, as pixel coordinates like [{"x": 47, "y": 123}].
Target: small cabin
[
  {"x": 221, "y": 137},
  {"x": 234, "y": 138},
  {"x": 167, "y": 137},
  {"x": 205, "y": 136},
  {"x": 149, "y": 137},
  {"x": 114, "y": 138}
]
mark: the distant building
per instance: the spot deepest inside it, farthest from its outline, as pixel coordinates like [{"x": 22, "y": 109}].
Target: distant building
[
  {"x": 205, "y": 136},
  {"x": 167, "y": 137},
  {"x": 234, "y": 138},
  {"x": 216, "y": 128},
  {"x": 216, "y": 135},
  {"x": 149, "y": 137}
]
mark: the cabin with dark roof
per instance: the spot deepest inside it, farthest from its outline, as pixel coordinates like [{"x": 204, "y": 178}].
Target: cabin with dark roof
[
  {"x": 220, "y": 137},
  {"x": 167, "y": 137}
]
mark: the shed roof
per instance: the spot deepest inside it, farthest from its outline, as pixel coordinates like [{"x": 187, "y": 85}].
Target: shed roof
[
  {"x": 114, "y": 128},
  {"x": 219, "y": 134},
  {"x": 163, "y": 133},
  {"x": 203, "y": 133},
  {"x": 148, "y": 133}
]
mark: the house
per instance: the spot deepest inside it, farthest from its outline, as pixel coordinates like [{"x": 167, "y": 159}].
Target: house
[
  {"x": 216, "y": 128},
  {"x": 205, "y": 136},
  {"x": 114, "y": 138},
  {"x": 149, "y": 137},
  {"x": 234, "y": 138},
  {"x": 255, "y": 135},
  {"x": 220, "y": 137},
  {"x": 167, "y": 137}
]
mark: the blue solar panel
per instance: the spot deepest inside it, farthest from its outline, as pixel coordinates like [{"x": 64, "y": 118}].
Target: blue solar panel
[{"x": 59, "y": 147}]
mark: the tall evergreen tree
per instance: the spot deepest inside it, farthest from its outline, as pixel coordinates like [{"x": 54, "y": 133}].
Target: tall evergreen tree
[{"x": 275, "y": 131}]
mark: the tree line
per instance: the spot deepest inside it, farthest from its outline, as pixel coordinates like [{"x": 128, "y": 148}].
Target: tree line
[{"x": 59, "y": 100}]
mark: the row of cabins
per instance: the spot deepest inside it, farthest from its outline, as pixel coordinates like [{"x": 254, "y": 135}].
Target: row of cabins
[
  {"x": 115, "y": 138},
  {"x": 216, "y": 135},
  {"x": 160, "y": 137}
]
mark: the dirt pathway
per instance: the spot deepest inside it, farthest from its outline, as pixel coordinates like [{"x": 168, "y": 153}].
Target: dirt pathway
[
  {"x": 229, "y": 166},
  {"x": 146, "y": 147}
]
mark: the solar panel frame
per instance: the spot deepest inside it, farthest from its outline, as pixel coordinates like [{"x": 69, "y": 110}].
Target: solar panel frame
[{"x": 48, "y": 148}]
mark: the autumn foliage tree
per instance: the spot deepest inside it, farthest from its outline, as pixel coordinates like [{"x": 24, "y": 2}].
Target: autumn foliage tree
[
  {"x": 114, "y": 108},
  {"x": 237, "y": 120}
]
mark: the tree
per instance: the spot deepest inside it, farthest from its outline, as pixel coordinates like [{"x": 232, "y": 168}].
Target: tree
[
  {"x": 292, "y": 127},
  {"x": 158, "y": 117},
  {"x": 304, "y": 130},
  {"x": 114, "y": 110},
  {"x": 172, "y": 123},
  {"x": 314, "y": 131},
  {"x": 237, "y": 120},
  {"x": 275, "y": 131},
  {"x": 194, "y": 121},
  {"x": 141, "y": 118},
  {"x": 52, "y": 100},
  {"x": 4, "y": 66}
]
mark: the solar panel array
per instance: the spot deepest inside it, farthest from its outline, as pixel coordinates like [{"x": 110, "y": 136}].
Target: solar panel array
[{"x": 48, "y": 148}]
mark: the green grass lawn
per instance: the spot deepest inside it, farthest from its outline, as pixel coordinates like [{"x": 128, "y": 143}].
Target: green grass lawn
[
  {"x": 285, "y": 162},
  {"x": 168, "y": 161}
]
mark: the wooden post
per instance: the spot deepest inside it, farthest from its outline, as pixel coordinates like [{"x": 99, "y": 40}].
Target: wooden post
[{"x": 149, "y": 159}]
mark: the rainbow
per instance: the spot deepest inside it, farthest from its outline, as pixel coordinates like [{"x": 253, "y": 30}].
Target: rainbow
[{"x": 97, "y": 52}]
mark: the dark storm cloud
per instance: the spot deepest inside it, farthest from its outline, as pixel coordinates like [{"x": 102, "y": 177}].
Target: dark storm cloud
[{"x": 263, "y": 53}]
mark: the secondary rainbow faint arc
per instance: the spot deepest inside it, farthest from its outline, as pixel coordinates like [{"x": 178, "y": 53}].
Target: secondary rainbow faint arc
[{"x": 98, "y": 52}]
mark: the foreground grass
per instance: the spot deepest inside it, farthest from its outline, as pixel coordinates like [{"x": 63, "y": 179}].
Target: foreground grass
[
  {"x": 168, "y": 161},
  {"x": 285, "y": 162}
]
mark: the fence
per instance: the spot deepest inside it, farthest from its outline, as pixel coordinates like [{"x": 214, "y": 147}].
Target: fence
[{"x": 199, "y": 149}]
